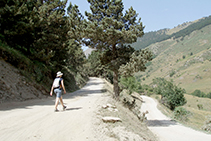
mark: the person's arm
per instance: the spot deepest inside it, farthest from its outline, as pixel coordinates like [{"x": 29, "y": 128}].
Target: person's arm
[
  {"x": 51, "y": 91},
  {"x": 62, "y": 82}
]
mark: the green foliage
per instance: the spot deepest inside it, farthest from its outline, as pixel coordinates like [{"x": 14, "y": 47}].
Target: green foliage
[
  {"x": 209, "y": 95},
  {"x": 181, "y": 114},
  {"x": 137, "y": 63},
  {"x": 123, "y": 55},
  {"x": 172, "y": 73},
  {"x": 37, "y": 30},
  {"x": 172, "y": 96},
  {"x": 130, "y": 83},
  {"x": 95, "y": 66},
  {"x": 198, "y": 93}
]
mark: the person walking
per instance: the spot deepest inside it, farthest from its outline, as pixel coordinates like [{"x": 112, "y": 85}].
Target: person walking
[{"x": 58, "y": 85}]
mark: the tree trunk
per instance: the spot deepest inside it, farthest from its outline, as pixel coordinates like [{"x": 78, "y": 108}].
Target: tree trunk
[
  {"x": 116, "y": 86},
  {"x": 115, "y": 74}
]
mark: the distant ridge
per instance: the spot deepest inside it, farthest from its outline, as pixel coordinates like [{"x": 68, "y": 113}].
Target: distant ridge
[{"x": 177, "y": 32}]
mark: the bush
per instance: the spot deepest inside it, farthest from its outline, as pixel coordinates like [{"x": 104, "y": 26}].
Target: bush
[
  {"x": 209, "y": 95},
  {"x": 200, "y": 106},
  {"x": 198, "y": 93},
  {"x": 171, "y": 95},
  {"x": 130, "y": 83},
  {"x": 172, "y": 73},
  {"x": 181, "y": 114}
]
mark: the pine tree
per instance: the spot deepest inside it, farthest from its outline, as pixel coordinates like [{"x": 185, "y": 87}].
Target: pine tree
[
  {"x": 108, "y": 29},
  {"x": 76, "y": 58},
  {"x": 51, "y": 31}
]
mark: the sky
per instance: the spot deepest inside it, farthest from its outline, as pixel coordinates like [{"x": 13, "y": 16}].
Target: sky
[{"x": 160, "y": 14}]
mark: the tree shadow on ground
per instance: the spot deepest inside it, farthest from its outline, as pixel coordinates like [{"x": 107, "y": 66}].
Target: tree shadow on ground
[{"x": 158, "y": 123}]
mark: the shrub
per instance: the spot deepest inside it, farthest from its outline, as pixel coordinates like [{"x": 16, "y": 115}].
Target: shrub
[
  {"x": 209, "y": 95},
  {"x": 171, "y": 95},
  {"x": 200, "y": 106},
  {"x": 198, "y": 93},
  {"x": 172, "y": 73},
  {"x": 130, "y": 83},
  {"x": 181, "y": 114}
]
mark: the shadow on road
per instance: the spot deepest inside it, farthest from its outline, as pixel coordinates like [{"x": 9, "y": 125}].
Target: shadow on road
[
  {"x": 70, "y": 109},
  {"x": 164, "y": 123}
]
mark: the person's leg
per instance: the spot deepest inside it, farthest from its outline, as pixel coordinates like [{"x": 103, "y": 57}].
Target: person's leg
[
  {"x": 56, "y": 103},
  {"x": 61, "y": 101},
  {"x": 57, "y": 92}
]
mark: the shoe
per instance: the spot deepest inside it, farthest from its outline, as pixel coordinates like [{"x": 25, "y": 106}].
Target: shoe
[
  {"x": 64, "y": 107},
  {"x": 56, "y": 110}
]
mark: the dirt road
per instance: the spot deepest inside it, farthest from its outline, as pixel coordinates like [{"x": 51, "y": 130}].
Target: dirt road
[
  {"x": 36, "y": 120},
  {"x": 165, "y": 128}
]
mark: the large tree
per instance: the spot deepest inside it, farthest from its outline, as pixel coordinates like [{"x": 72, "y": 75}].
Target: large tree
[{"x": 108, "y": 30}]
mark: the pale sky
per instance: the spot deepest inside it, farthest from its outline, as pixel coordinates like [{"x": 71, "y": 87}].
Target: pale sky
[{"x": 159, "y": 14}]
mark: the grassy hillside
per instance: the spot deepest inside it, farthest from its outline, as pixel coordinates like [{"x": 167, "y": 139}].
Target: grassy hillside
[{"x": 185, "y": 60}]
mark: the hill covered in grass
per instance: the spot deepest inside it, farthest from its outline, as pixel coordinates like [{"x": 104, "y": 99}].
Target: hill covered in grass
[{"x": 184, "y": 57}]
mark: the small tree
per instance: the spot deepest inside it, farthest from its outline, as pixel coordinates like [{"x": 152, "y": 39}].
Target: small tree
[{"x": 171, "y": 95}]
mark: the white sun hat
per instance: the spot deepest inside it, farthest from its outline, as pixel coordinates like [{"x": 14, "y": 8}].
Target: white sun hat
[{"x": 59, "y": 74}]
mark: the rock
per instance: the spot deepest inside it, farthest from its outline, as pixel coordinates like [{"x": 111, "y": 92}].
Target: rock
[
  {"x": 111, "y": 119},
  {"x": 108, "y": 106},
  {"x": 104, "y": 106}
]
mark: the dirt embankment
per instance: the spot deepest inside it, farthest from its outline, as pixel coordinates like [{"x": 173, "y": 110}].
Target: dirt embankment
[{"x": 15, "y": 87}]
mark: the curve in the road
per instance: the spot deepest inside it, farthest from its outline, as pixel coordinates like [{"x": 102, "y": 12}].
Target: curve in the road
[{"x": 167, "y": 129}]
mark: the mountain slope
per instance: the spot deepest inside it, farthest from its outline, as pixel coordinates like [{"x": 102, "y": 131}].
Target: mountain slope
[
  {"x": 185, "y": 60},
  {"x": 177, "y": 32}
]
